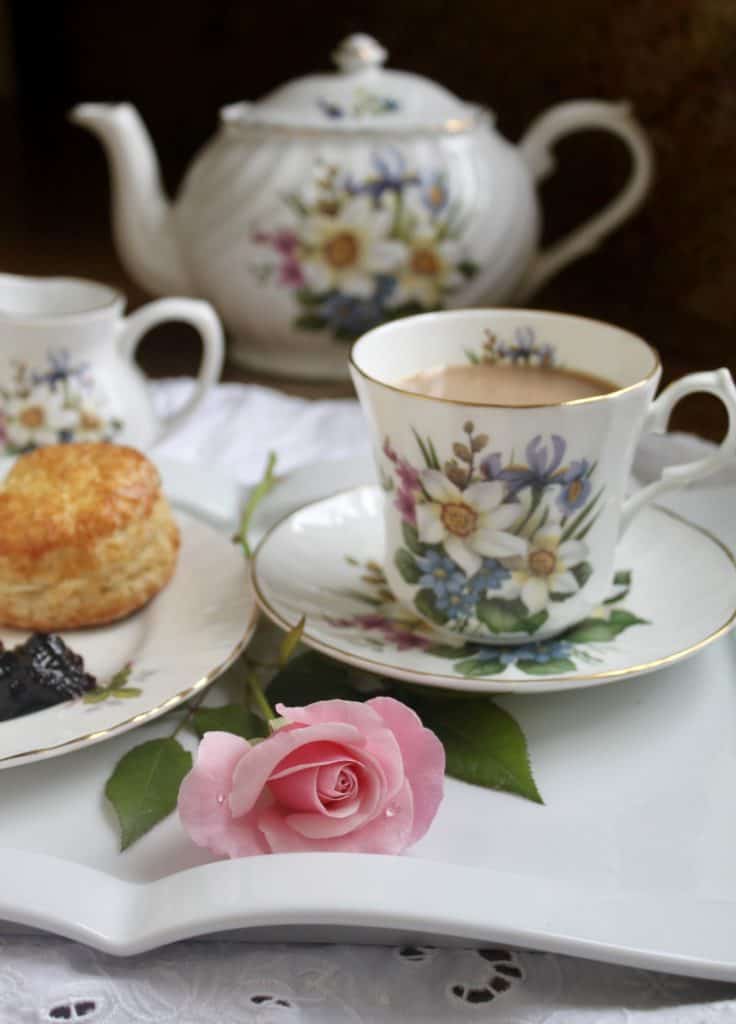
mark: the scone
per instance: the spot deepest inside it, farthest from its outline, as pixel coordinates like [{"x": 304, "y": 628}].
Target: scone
[{"x": 86, "y": 537}]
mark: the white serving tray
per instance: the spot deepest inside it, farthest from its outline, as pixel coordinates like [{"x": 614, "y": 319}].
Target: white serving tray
[{"x": 632, "y": 860}]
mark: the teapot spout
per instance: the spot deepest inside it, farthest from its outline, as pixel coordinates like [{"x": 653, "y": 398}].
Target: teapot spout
[{"x": 142, "y": 219}]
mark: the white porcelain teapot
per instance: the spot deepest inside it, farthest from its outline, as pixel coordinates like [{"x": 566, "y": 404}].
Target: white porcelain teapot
[{"x": 345, "y": 199}]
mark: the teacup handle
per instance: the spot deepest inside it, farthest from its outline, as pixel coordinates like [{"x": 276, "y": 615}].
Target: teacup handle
[
  {"x": 536, "y": 147},
  {"x": 714, "y": 382},
  {"x": 205, "y": 321}
]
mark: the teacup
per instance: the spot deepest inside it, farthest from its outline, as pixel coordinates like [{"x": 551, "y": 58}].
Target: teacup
[
  {"x": 501, "y": 522},
  {"x": 67, "y": 368}
]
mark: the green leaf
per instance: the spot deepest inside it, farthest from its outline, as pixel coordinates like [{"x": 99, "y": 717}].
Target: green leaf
[
  {"x": 508, "y": 616},
  {"x": 426, "y": 604},
  {"x": 582, "y": 572},
  {"x": 447, "y": 651},
  {"x": 472, "y": 357},
  {"x": 532, "y": 624},
  {"x": 547, "y": 668},
  {"x": 467, "y": 268},
  {"x": 144, "y": 786},
  {"x": 602, "y": 630},
  {"x": 408, "y": 569},
  {"x": 475, "y": 668},
  {"x": 411, "y": 538},
  {"x": 291, "y": 641},
  {"x": 309, "y": 677},
  {"x": 622, "y": 578},
  {"x": 310, "y": 322},
  {"x": 266, "y": 484},
  {"x": 424, "y": 450},
  {"x": 126, "y": 692},
  {"x": 577, "y": 522},
  {"x": 483, "y": 744},
  {"x": 232, "y": 718}
]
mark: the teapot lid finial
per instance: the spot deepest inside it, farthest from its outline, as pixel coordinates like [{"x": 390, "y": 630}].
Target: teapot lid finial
[{"x": 359, "y": 52}]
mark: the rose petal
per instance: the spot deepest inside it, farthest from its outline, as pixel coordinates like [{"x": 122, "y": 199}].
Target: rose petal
[
  {"x": 375, "y": 737},
  {"x": 386, "y": 833},
  {"x": 424, "y": 760},
  {"x": 252, "y": 772},
  {"x": 203, "y": 806}
]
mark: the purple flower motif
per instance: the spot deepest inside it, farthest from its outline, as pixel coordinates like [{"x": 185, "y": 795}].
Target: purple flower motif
[
  {"x": 407, "y": 506},
  {"x": 541, "y": 468},
  {"x": 575, "y": 486},
  {"x": 408, "y": 476},
  {"x": 60, "y": 370},
  {"x": 398, "y": 633},
  {"x": 391, "y": 176},
  {"x": 390, "y": 452}
]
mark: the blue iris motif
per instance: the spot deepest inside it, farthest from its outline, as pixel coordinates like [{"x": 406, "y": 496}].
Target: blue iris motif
[
  {"x": 60, "y": 370},
  {"x": 541, "y": 470},
  {"x": 351, "y": 315},
  {"x": 575, "y": 486},
  {"x": 390, "y": 176}
]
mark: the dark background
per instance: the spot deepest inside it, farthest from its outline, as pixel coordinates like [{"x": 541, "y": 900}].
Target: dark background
[{"x": 669, "y": 274}]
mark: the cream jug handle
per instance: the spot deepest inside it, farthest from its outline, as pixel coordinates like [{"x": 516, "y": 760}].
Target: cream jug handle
[
  {"x": 203, "y": 318},
  {"x": 714, "y": 382},
  {"x": 536, "y": 146}
]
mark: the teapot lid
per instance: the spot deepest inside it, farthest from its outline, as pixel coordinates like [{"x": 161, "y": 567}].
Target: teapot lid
[{"x": 361, "y": 95}]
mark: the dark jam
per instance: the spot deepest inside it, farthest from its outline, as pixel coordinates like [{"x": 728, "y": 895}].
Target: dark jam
[{"x": 39, "y": 673}]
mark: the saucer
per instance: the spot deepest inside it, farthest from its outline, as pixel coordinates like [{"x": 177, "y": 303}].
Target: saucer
[{"x": 674, "y": 591}]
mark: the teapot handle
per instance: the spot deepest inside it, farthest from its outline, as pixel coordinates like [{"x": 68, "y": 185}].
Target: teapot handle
[
  {"x": 542, "y": 134},
  {"x": 203, "y": 318}
]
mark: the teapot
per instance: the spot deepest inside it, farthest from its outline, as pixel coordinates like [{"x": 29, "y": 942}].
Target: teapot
[{"x": 345, "y": 199}]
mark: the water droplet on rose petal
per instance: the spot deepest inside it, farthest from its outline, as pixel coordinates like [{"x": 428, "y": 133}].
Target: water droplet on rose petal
[
  {"x": 390, "y": 812},
  {"x": 220, "y": 798}
]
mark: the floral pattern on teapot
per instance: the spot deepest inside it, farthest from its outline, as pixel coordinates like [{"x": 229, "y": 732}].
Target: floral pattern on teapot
[
  {"x": 53, "y": 404},
  {"x": 359, "y": 251}
]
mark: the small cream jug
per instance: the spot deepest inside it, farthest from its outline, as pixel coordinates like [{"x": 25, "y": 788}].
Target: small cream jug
[{"x": 67, "y": 368}]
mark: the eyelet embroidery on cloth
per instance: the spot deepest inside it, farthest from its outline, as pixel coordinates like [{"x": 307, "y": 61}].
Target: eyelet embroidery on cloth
[
  {"x": 505, "y": 970},
  {"x": 269, "y": 1001},
  {"x": 415, "y": 954},
  {"x": 74, "y": 1010}
]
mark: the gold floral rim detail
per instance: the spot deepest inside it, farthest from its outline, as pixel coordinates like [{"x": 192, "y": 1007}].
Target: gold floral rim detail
[
  {"x": 612, "y": 674},
  {"x": 521, "y": 313},
  {"x": 145, "y": 716}
]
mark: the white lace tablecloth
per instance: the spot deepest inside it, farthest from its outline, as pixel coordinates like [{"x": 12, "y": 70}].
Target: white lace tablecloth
[{"x": 49, "y": 979}]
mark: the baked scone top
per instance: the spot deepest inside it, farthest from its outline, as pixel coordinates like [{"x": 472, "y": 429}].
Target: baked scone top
[{"x": 73, "y": 494}]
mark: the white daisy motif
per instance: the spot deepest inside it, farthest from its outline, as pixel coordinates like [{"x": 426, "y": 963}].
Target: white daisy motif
[
  {"x": 430, "y": 270},
  {"x": 343, "y": 252},
  {"x": 91, "y": 425},
  {"x": 545, "y": 568},
  {"x": 37, "y": 419},
  {"x": 470, "y": 524}
]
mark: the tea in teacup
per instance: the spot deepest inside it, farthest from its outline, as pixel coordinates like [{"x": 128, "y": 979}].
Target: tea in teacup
[{"x": 505, "y": 384}]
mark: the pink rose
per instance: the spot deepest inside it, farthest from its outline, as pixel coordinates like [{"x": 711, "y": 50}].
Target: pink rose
[{"x": 339, "y": 775}]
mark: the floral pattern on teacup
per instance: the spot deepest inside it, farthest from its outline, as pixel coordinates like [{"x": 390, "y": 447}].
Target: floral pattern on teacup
[
  {"x": 491, "y": 543},
  {"x": 524, "y": 349},
  {"x": 52, "y": 404},
  {"x": 359, "y": 251},
  {"x": 387, "y": 624}
]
